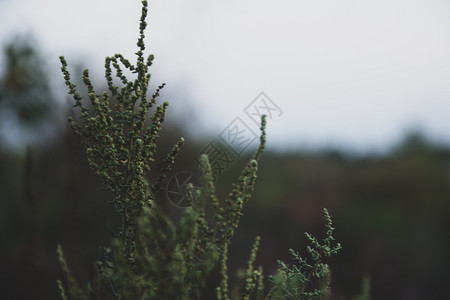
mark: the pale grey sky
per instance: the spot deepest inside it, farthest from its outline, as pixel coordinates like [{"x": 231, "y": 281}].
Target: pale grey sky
[{"x": 354, "y": 73}]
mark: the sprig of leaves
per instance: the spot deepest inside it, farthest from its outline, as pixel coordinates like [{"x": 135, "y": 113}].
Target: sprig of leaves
[{"x": 298, "y": 281}]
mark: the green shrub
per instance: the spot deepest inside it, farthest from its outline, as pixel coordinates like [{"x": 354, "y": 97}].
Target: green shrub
[{"x": 151, "y": 256}]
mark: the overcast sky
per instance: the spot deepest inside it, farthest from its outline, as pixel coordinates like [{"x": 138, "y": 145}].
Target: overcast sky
[{"x": 356, "y": 74}]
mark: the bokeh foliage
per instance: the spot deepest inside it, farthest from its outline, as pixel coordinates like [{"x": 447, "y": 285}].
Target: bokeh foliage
[{"x": 391, "y": 211}]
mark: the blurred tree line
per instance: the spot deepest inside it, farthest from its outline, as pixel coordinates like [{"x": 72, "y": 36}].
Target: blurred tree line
[{"x": 390, "y": 211}]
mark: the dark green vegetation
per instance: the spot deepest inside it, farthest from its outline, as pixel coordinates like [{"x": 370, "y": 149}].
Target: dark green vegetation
[
  {"x": 391, "y": 213},
  {"x": 151, "y": 256}
]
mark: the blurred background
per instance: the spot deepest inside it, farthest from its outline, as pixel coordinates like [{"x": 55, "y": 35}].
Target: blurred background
[{"x": 358, "y": 101}]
